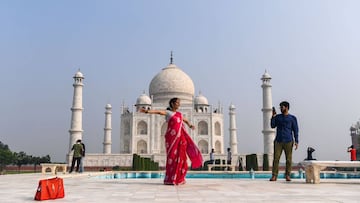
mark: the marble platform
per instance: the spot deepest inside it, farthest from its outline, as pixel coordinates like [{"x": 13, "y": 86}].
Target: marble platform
[{"x": 84, "y": 188}]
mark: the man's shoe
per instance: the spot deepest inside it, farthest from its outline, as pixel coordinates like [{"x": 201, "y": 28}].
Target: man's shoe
[
  {"x": 287, "y": 178},
  {"x": 273, "y": 178}
]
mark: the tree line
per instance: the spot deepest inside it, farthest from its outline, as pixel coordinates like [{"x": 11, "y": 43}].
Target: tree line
[{"x": 7, "y": 157}]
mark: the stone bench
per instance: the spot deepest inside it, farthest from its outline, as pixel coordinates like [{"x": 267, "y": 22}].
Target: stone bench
[
  {"x": 313, "y": 168},
  {"x": 54, "y": 168},
  {"x": 210, "y": 166}
]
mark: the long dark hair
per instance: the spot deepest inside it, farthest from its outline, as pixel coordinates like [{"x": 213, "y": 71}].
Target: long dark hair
[{"x": 171, "y": 102}]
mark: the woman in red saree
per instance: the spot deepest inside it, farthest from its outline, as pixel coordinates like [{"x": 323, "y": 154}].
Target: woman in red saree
[{"x": 179, "y": 144}]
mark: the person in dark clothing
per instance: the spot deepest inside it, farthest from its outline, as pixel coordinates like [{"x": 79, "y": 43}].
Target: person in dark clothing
[
  {"x": 229, "y": 156},
  {"x": 287, "y": 135},
  {"x": 77, "y": 148},
  {"x": 212, "y": 156}
]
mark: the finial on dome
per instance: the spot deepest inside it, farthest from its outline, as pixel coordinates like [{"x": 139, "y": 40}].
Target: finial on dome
[
  {"x": 266, "y": 76},
  {"x": 171, "y": 57},
  {"x": 78, "y": 74}
]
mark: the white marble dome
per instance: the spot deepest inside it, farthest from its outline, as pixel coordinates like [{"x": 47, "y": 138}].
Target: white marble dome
[
  {"x": 143, "y": 99},
  {"x": 78, "y": 75},
  {"x": 266, "y": 75},
  {"x": 172, "y": 82},
  {"x": 201, "y": 100}
]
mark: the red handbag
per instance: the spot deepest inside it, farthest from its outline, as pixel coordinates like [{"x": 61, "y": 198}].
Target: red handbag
[{"x": 52, "y": 188}]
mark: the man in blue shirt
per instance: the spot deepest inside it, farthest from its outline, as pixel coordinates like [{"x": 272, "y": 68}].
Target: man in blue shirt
[{"x": 286, "y": 137}]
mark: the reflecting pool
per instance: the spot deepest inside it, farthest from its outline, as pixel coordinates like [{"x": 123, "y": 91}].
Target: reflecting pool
[{"x": 228, "y": 175}]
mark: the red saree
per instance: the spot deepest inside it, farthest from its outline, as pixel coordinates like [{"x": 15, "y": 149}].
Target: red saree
[{"x": 179, "y": 146}]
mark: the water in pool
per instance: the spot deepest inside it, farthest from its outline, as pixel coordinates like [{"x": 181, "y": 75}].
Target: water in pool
[{"x": 245, "y": 175}]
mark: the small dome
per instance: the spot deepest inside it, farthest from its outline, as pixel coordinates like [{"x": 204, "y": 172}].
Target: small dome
[
  {"x": 200, "y": 99},
  {"x": 108, "y": 106},
  {"x": 143, "y": 99},
  {"x": 232, "y": 107},
  {"x": 352, "y": 128},
  {"x": 79, "y": 74},
  {"x": 266, "y": 75}
]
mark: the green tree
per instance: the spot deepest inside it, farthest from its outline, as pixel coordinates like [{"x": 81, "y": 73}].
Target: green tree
[
  {"x": 45, "y": 159},
  {"x": 35, "y": 161},
  {"x": 21, "y": 158},
  {"x": 6, "y": 156},
  {"x": 38, "y": 160}
]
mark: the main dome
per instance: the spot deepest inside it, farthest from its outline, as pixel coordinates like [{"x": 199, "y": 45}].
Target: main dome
[{"x": 172, "y": 82}]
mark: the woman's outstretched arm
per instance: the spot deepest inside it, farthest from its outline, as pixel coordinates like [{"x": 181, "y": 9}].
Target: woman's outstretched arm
[
  {"x": 142, "y": 110},
  {"x": 188, "y": 123}
]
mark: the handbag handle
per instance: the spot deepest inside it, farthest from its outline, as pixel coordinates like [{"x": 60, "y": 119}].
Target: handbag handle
[{"x": 52, "y": 189}]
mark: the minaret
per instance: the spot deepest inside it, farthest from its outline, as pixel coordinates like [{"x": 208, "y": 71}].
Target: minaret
[
  {"x": 107, "y": 130},
  {"x": 76, "y": 109},
  {"x": 232, "y": 130},
  {"x": 268, "y": 132}
]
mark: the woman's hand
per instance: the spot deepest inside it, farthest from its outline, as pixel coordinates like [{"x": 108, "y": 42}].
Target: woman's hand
[
  {"x": 192, "y": 127},
  {"x": 143, "y": 110}
]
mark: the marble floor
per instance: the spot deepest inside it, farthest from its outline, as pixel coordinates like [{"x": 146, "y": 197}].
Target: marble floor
[{"x": 85, "y": 188}]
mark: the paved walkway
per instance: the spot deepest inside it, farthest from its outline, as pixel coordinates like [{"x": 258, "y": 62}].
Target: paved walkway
[{"x": 84, "y": 188}]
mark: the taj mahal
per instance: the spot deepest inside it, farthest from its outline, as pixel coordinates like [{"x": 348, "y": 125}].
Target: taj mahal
[{"x": 143, "y": 134}]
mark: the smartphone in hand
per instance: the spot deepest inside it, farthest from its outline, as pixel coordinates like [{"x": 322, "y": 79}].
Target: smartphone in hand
[{"x": 273, "y": 110}]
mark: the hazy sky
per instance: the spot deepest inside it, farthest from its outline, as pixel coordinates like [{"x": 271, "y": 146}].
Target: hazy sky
[{"x": 311, "y": 48}]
